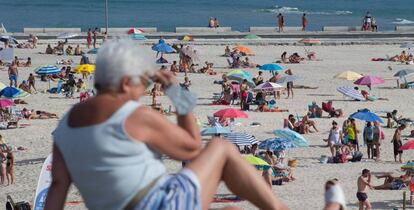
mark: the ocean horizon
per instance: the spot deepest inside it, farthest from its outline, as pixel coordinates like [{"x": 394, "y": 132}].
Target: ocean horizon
[{"x": 168, "y": 14}]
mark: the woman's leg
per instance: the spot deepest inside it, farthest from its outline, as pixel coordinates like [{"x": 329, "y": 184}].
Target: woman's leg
[
  {"x": 2, "y": 172},
  {"x": 221, "y": 161},
  {"x": 377, "y": 147}
]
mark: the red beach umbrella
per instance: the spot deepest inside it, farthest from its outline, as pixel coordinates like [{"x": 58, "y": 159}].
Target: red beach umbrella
[
  {"x": 230, "y": 113},
  {"x": 407, "y": 146}
]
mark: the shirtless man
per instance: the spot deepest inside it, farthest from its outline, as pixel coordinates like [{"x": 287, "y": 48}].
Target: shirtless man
[
  {"x": 364, "y": 182},
  {"x": 13, "y": 73},
  {"x": 397, "y": 143}
]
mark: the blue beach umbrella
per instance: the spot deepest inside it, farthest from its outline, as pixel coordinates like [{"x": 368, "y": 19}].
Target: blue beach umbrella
[
  {"x": 9, "y": 92},
  {"x": 367, "y": 116},
  {"x": 47, "y": 70},
  {"x": 276, "y": 144},
  {"x": 294, "y": 137},
  {"x": 241, "y": 139},
  {"x": 163, "y": 48},
  {"x": 271, "y": 67},
  {"x": 216, "y": 130}
]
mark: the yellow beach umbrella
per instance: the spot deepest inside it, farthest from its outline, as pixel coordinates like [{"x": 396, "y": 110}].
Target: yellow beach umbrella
[
  {"x": 348, "y": 75},
  {"x": 84, "y": 68}
]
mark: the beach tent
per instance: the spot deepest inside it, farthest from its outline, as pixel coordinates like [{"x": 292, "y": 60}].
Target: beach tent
[{"x": 348, "y": 75}]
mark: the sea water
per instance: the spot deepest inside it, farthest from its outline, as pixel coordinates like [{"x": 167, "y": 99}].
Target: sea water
[{"x": 168, "y": 14}]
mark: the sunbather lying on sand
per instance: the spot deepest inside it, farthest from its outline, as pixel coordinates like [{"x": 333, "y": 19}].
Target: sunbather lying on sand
[
  {"x": 263, "y": 107},
  {"x": 38, "y": 114},
  {"x": 394, "y": 183}
]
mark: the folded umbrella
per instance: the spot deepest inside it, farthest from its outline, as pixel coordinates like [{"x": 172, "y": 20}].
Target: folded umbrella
[
  {"x": 367, "y": 116},
  {"x": 351, "y": 92},
  {"x": 241, "y": 139},
  {"x": 230, "y": 113},
  {"x": 294, "y": 137}
]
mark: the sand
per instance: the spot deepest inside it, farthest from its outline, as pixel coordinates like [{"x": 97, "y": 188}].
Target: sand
[{"x": 304, "y": 193}]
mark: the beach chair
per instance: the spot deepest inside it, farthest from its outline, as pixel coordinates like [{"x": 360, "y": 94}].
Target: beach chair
[{"x": 57, "y": 89}]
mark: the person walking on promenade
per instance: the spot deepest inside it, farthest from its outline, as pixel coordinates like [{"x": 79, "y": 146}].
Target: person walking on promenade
[
  {"x": 280, "y": 22},
  {"x": 304, "y": 22}
]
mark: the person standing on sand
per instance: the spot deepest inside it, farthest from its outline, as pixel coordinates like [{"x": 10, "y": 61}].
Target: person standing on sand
[
  {"x": 31, "y": 80},
  {"x": 10, "y": 166},
  {"x": 243, "y": 94},
  {"x": 280, "y": 22},
  {"x": 13, "y": 74},
  {"x": 364, "y": 182},
  {"x": 89, "y": 38},
  {"x": 396, "y": 140},
  {"x": 289, "y": 85},
  {"x": 377, "y": 140},
  {"x": 95, "y": 37},
  {"x": 304, "y": 22}
]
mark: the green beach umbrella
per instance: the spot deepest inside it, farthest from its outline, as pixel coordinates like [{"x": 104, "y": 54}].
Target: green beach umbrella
[{"x": 260, "y": 164}]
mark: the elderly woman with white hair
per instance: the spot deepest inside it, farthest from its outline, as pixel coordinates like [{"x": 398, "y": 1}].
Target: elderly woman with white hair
[{"x": 110, "y": 146}]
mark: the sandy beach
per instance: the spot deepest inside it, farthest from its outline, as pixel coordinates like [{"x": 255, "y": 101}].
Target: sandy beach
[{"x": 304, "y": 193}]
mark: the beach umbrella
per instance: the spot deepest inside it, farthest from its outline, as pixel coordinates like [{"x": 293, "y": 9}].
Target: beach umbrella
[
  {"x": 135, "y": 31},
  {"x": 409, "y": 145},
  {"x": 185, "y": 38},
  {"x": 271, "y": 67},
  {"x": 191, "y": 52},
  {"x": 403, "y": 73},
  {"x": 408, "y": 166},
  {"x": 47, "y": 70},
  {"x": 408, "y": 45},
  {"x": 9, "y": 92},
  {"x": 268, "y": 86},
  {"x": 252, "y": 36},
  {"x": 276, "y": 144},
  {"x": 67, "y": 35},
  {"x": 294, "y": 137},
  {"x": 260, "y": 164},
  {"x": 4, "y": 103},
  {"x": 84, "y": 68},
  {"x": 216, "y": 130},
  {"x": 230, "y": 113},
  {"x": 310, "y": 41},
  {"x": 348, "y": 75},
  {"x": 367, "y": 116},
  {"x": 137, "y": 37},
  {"x": 2, "y": 86},
  {"x": 241, "y": 139},
  {"x": 287, "y": 78},
  {"x": 244, "y": 50},
  {"x": 163, "y": 48},
  {"x": 369, "y": 80},
  {"x": 10, "y": 39},
  {"x": 240, "y": 75},
  {"x": 351, "y": 92},
  {"x": 93, "y": 51}
]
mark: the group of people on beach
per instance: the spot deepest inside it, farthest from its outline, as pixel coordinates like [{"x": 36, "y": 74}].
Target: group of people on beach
[
  {"x": 281, "y": 22},
  {"x": 213, "y": 23},
  {"x": 369, "y": 23}
]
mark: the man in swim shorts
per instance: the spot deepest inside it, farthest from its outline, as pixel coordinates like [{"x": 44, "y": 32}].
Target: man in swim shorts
[
  {"x": 364, "y": 182},
  {"x": 13, "y": 73}
]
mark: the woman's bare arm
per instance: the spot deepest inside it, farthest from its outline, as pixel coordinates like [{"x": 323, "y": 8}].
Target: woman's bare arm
[{"x": 60, "y": 182}]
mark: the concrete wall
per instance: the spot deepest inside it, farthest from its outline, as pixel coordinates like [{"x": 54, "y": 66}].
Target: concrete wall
[
  {"x": 256, "y": 29},
  {"x": 404, "y": 28},
  {"x": 51, "y": 30},
  {"x": 341, "y": 28},
  {"x": 125, "y": 30},
  {"x": 202, "y": 30}
]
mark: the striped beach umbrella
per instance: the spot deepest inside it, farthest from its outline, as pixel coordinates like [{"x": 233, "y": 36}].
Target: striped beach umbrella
[
  {"x": 241, "y": 139},
  {"x": 13, "y": 93},
  {"x": 310, "y": 41},
  {"x": 47, "y": 70},
  {"x": 351, "y": 92},
  {"x": 268, "y": 86}
]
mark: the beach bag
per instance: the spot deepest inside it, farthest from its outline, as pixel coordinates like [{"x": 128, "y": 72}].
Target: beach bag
[{"x": 382, "y": 135}]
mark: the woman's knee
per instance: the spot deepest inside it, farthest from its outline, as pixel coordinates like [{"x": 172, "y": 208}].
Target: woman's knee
[{"x": 223, "y": 145}]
